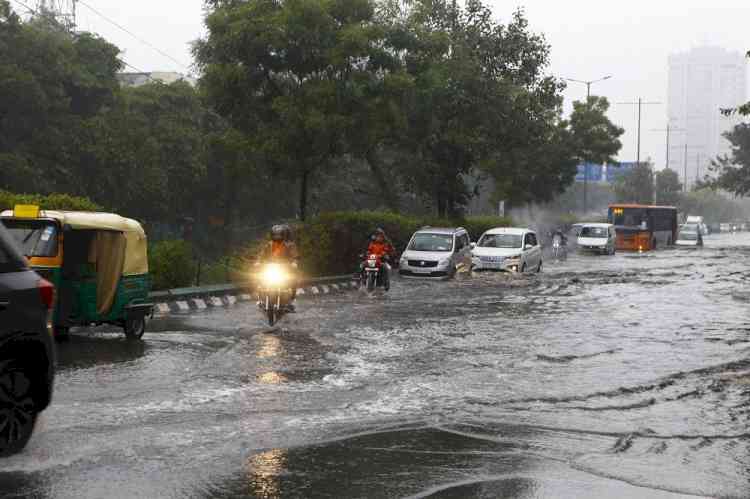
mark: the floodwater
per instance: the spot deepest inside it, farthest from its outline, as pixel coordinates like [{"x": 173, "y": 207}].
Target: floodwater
[{"x": 624, "y": 376}]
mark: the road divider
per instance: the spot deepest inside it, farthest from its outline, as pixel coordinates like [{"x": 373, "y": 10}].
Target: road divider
[{"x": 186, "y": 300}]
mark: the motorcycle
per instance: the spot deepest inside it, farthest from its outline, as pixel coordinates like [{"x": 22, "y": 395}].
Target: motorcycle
[
  {"x": 373, "y": 270},
  {"x": 275, "y": 291}
]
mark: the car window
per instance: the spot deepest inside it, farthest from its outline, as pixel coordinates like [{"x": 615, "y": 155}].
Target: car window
[
  {"x": 594, "y": 232},
  {"x": 500, "y": 241},
  {"x": 10, "y": 259},
  {"x": 467, "y": 241},
  {"x": 530, "y": 239},
  {"x": 431, "y": 242}
]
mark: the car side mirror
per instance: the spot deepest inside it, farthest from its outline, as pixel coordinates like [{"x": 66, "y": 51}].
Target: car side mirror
[
  {"x": 528, "y": 247},
  {"x": 473, "y": 245}
]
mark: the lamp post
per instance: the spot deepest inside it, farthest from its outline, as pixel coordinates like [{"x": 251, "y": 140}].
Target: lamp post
[
  {"x": 588, "y": 84},
  {"x": 669, "y": 131}
]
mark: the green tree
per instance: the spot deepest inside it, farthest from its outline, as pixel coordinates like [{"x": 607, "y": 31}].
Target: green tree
[
  {"x": 668, "y": 187},
  {"x": 714, "y": 206},
  {"x": 51, "y": 83},
  {"x": 734, "y": 170},
  {"x": 595, "y": 138},
  {"x": 288, "y": 74},
  {"x": 637, "y": 186},
  {"x": 481, "y": 102}
]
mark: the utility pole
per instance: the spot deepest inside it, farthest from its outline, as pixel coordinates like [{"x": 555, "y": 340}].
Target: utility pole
[
  {"x": 684, "y": 160},
  {"x": 588, "y": 84},
  {"x": 697, "y": 168},
  {"x": 669, "y": 131},
  {"x": 640, "y": 104}
]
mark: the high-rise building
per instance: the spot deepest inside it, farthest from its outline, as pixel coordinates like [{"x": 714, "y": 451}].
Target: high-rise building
[{"x": 701, "y": 83}]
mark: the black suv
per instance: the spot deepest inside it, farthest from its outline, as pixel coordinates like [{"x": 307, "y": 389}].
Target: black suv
[{"x": 27, "y": 355}]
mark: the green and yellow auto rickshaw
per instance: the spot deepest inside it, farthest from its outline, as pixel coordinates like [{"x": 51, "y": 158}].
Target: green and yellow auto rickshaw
[{"x": 97, "y": 261}]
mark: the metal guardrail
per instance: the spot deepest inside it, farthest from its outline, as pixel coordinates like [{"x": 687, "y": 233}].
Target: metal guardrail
[{"x": 232, "y": 289}]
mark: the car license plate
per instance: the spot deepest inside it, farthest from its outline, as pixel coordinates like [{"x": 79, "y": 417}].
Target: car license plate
[{"x": 422, "y": 271}]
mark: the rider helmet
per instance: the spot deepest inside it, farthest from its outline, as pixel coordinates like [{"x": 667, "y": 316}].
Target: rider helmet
[{"x": 280, "y": 232}]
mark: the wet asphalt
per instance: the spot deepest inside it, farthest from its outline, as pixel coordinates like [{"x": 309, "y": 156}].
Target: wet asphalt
[{"x": 624, "y": 376}]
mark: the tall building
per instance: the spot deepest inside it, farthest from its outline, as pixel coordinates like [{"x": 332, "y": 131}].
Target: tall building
[{"x": 701, "y": 83}]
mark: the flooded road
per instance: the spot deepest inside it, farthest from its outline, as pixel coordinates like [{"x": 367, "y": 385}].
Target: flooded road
[{"x": 624, "y": 376}]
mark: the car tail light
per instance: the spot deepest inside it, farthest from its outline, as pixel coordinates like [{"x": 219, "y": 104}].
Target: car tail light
[{"x": 47, "y": 293}]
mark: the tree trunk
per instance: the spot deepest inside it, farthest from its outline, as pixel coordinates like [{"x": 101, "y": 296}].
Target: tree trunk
[
  {"x": 303, "y": 188},
  {"x": 229, "y": 211},
  {"x": 386, "y": 190}
]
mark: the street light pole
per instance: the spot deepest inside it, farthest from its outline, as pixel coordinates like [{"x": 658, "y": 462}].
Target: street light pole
[
  {"x": 669, "y": 131},
  {"x": 640, "y": 104},
  {"x": 588, "y": 84}
]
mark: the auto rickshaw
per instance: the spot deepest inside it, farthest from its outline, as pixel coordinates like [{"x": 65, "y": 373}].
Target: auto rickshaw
[{"x": 97, "y": 262}]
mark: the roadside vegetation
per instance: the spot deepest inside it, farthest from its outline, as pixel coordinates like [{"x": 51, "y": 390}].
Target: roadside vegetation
[{"x": 303, "y": 108}]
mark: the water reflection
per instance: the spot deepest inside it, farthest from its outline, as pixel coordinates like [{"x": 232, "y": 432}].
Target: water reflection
[
  {"x": 84, "y": 351},
  {"x": 272, "y": 378},
  {"x": 264, "y": 471},
  {"x": 270, "y": 346}
]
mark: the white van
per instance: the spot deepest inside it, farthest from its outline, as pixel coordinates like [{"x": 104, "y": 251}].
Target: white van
[{"x": 598, "y": 238}]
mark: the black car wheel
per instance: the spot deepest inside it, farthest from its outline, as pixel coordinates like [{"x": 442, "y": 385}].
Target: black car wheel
[
  {"x": 17, "y": 410},
  {"x": 135, "y": 327}
]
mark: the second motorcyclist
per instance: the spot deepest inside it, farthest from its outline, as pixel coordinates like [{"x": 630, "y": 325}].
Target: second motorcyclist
[{"x": 382, "y": 247}]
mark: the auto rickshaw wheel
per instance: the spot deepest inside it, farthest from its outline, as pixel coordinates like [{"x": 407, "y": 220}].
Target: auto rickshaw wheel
[
  {"x": 134, "y": 328},
  {"x": 62, "y": 334}
]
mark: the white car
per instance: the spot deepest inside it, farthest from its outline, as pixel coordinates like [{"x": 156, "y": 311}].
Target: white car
[
  {"x": 599, "y": 238},
  {"x": 690, "y": 236},
  {"x": 436, "y": 252},
  {"x": 509, "y": 250}
]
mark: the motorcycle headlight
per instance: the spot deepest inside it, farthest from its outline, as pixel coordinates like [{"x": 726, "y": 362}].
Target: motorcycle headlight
[{"x": 274, "y": 275}]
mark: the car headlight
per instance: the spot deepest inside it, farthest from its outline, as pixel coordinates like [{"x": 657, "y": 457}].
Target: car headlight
[
  {"x": 274, "y": 275},
  {"x": 513, "y": 260},
  {"x": 445, "y": 262}
]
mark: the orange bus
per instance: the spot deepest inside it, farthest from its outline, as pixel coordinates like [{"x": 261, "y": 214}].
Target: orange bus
[{"x": 642, "y": 227}]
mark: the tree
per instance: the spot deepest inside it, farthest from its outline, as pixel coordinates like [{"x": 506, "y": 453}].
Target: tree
[
  {"x": 289, "y": 74},
  {"x": 481, "y": 103},
  {"x": 734, "y": 170},
  {"x": 714, "y": 206},
  {"x": 51, "y": 83},
  {"x": 637, "y": 186},
  {"x": 668, "y": 187},
  {"x": 594, "y": 136}
]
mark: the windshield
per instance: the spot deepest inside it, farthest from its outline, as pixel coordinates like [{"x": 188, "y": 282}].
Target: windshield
[
  {"x": 34, "y": 237},
  {"x": 500, "y": 241},
  {"x": 689, "y": 236},
  {"x": 600, "y": 232},
  {"x": 630, "y": 217},
  {"x": 432, "y": 242}
]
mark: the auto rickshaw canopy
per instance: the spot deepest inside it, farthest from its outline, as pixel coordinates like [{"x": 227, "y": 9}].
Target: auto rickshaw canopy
[{"x": 136, "y": 247}]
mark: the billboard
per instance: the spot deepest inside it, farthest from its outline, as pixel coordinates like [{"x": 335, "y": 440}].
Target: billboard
[
  {"x": 590, "y": 171},
  {"x": 617, "y": 170}
]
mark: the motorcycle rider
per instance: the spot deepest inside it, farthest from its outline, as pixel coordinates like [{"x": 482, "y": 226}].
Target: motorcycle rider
[
  {"x": 282, "y": 249},
  {"x": 560, "y": 235},
  {"x": 381, "y": 246}
]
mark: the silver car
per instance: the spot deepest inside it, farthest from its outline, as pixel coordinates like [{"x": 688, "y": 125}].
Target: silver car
[{"x": 436, "y": 252}]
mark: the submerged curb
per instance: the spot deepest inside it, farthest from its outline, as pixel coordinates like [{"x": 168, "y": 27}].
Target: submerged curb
[{"x": 187, "y": 300}]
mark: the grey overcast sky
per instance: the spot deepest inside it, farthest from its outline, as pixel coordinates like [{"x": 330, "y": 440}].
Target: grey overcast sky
[{"x": 630, "y": 40}]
